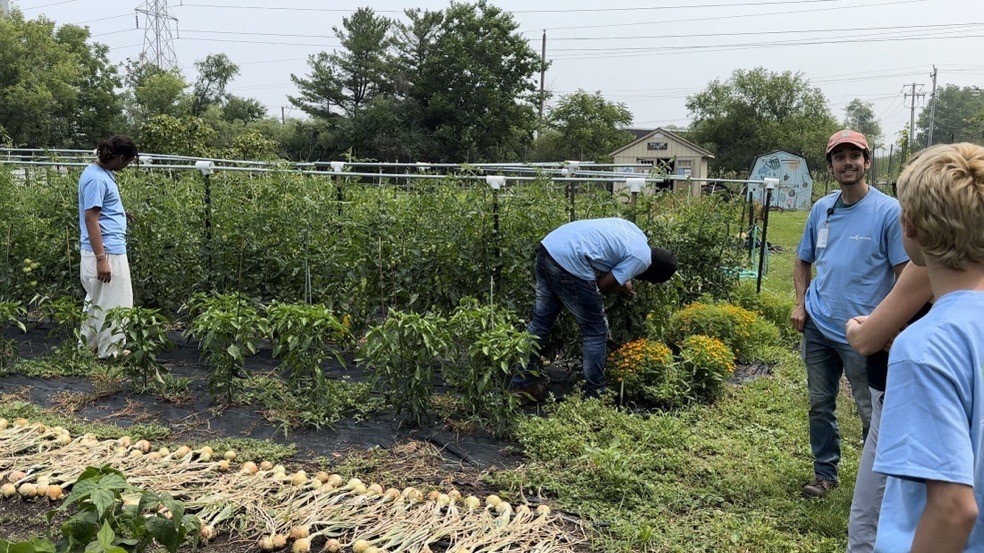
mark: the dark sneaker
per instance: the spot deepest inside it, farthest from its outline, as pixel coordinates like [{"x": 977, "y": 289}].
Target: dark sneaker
[{"x": 818, "y": 487}]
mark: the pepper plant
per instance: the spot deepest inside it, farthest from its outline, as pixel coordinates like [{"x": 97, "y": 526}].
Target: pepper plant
[
  {"x": 228, "y": 328},
  {"x": 403, "y": 353},
  {"x": 144, "y": 334},
  {"x": 488, "y": 348}
]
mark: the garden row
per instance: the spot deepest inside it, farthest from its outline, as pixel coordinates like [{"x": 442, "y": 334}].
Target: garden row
[
  {"x": 466, "y": 355},
  {"x": 358, "y": 248}
]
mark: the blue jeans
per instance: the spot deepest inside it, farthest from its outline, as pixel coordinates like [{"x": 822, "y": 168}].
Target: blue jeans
[
  {"x": 555, "y": 289},
  {"x": 826, "y": 361}
]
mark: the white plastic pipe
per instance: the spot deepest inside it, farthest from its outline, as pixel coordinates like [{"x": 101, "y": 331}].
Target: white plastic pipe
[{"x": 206, "y": 167}]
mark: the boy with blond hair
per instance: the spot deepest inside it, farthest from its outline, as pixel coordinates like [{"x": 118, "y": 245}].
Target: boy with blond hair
[{"x": 931, "y": 444}]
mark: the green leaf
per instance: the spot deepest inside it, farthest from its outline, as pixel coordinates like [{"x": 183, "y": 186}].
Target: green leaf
[
  {"x": 103, "y": 501},
  {"x": 164, "y": 532}
]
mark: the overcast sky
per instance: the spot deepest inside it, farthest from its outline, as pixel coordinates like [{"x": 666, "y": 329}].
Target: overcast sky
[{"x": 648, "y": 55}]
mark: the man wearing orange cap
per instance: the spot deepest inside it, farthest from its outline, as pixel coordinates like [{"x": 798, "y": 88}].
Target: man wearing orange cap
[{"x": 854, "y": 238}]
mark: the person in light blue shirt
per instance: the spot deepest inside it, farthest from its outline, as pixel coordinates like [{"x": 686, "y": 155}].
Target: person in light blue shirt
[
  {"x": 931, "y": 443},
  {"x": 853, "y": 238},
  {"x": 104, "y": 269},
  {"x": 575, "y": 265}
]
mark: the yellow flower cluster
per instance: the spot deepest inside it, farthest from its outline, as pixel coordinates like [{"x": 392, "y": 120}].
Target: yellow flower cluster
[
  {"x": 710, "y": 353},
  {"x": 733, "y": 324},
  {"x": 631, "y": 358}
]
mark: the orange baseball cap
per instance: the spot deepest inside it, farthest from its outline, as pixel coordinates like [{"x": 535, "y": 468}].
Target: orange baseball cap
[{"x": 847, "y": 136}]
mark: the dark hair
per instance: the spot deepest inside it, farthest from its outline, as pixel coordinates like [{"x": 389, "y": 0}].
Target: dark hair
[{"x": 116, "y": 146}]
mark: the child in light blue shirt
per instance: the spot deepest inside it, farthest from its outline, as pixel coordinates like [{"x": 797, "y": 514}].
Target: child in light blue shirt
[{"x": 931, "y": 443}]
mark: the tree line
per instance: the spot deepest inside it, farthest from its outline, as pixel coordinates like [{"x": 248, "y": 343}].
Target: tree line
[{"x": 453, "y": 85}]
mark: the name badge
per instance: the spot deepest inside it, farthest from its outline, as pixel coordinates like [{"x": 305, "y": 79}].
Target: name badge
[{"x": 822, "y": 237}]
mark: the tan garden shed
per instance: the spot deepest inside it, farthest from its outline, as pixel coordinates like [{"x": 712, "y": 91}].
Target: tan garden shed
[{"x": 669, "y": 152}]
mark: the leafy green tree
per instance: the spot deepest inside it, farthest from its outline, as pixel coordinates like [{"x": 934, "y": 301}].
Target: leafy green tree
[
  {"x": 959, "y": 116},
  {"x": 246, "y": 110},
  {"x": 476, "y": 85},
  {"x": 347, "y": 79},
  {"x": 308, "y": 140},
  {"x": 758, "y": 111},
  {"x": 589, "y": 126},
  {"x": 860, "y": 116},
  {"x": 388, "y": 129},
  {"x": 98, "y": 110},
  {"x": 165, "y": 134},
  {"x": 55, "y": 88},
  {"x": 152, "y": 91},
  {"x": 414, "y": 43},
  {"x": 214, "y": 74}
]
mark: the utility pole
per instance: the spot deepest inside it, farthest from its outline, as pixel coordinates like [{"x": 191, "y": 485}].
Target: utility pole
[
  {"x": 912, "y": 116},
  {"x": 283, "y": 115},
  {"x": 543, "y": 71},
  {"x": 158, "y": 43},
  {"x": 5, "y": 7},
  {"x": 932, "y": 111}
]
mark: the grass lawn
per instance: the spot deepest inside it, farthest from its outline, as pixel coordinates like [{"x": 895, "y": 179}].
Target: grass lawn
[{"x": 721, "y": 478}]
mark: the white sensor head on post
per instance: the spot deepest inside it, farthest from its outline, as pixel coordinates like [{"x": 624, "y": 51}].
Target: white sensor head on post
[
  {"x": 770, "y": 183},
  {"x": 573, "y": 165},
  {"x": 635, "y": 184},
  {"x": 337, "y": 166},
  {"x": 206, "y": 167},
  {"x": 421, "y": 166},
  {"x": 146, "y": 160},
  {"x": 495, "y": 181}
]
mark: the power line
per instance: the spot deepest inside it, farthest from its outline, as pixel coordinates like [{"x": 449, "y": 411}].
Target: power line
[
  {"x": 48, "y": 5},
  {"x": 670, "y": 50},
  {"x": 737, "y": 16},
  {"x": 776, "y": 32},
  {"x": 582, "y": 10}
]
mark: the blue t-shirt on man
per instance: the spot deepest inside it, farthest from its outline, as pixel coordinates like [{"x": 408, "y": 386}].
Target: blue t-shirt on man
[
  {"x": 593, "y": 247},
  {"x": 855, "y": 266},
  {"x": 97, "y": 188},
  {"x": 932, "y": 425}
]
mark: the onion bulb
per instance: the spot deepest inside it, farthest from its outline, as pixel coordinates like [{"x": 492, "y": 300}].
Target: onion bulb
[
  {"x": 8, "y": 490},
  {"x": 265, "y": 544},
  {"x": 302, "y": 545},
  {"x": 266, "y": 465},
  {"x": 279, "y": 541},
  {"x": 250, "y": 467},
  {"x": 333, "y": 546},
  {"x": 207, "y": 532},
  {"x": 360, "y": 546},
  {"x": 492, "y": 501},
  {"x": 543, "y": 510},
  {"x": 299, "y": 532},
  {"x": 28, "y": 490},
  {"x": 473, "y": 503},
  {"x": 143, "y": 445},
  {"x": 230, "y": 455}
]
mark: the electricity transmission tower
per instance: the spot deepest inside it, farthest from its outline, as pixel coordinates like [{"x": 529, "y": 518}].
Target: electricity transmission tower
[{"x": 158, "y": 43}]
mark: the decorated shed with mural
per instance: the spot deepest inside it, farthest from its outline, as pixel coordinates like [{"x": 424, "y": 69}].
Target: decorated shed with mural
[{"x": 795, "y": 189}]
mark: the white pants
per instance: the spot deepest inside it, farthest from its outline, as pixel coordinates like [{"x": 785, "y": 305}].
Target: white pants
[
  {"x": 869, "y": 488},
  {"x": 100, "y": 297}
]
